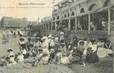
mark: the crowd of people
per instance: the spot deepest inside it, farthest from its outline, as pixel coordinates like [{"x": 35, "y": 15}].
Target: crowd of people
[
  {"x": 7, "y": 34},
  {"x": 51, "y": 49}
]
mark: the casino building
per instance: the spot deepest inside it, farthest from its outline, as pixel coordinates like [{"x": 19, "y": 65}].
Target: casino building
[{"x": 93, "y": 18}]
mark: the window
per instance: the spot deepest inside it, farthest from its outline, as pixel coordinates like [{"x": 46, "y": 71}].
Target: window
[
  {"x": 82, "y": 22},
  {"x": 112, "y": 14},
  {"x": 53, "y": 26},
  {"x": 53, "y": 18},
  {"x": 82, "y": 10},
  {"x": 65, "y": 23},
  {"x": 100, "y": 20},
  {"x": 112, "y": 18},
  {"x": 65, "y": 15},
  {"x": 72, "y": 14},
  {"x": 72, "y": 22},
  {"x": 68, "y": 14},
  {"x": 57, "y": 17}
]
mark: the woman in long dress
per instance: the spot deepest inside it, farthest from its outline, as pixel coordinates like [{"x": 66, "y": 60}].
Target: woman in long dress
[{"x": 92, "y": 56}]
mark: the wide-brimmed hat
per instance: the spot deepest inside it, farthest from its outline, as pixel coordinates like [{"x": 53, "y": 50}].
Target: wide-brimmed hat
[
  {"x": 9, "y": 50},
  {"x": 50, "y": 36},
  {"x": 44, "y": 38},
  {"x": 61, "y": 33}
]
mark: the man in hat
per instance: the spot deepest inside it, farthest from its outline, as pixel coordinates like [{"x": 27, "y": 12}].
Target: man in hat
[
  {"x": 11, "y": 60},
  {"x": 62, "y": 37},
  {"x": 51, "y": 42},
  {"x": 10, "y": 52},
  {"x": 37, "y": 43}
]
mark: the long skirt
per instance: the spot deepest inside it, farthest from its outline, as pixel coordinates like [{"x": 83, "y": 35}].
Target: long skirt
[{"x": 92, "y": 58}]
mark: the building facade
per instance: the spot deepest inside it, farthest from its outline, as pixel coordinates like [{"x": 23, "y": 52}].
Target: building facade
[
  {"x": 46, "y": 23},
  {"x": 10, "y": 22},
  {"x": 84, "y": 16}
]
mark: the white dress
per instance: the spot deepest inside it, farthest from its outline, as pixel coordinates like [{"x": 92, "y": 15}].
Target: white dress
[
  {"x": 20, "y": 58},
  {"x": 94, "y": 47},
  {"x": 12, "y": 61},
  {"x": 65, "y": 60},
  {"x": 44, "y": 60},
  {"x": 24, "y": 51}
]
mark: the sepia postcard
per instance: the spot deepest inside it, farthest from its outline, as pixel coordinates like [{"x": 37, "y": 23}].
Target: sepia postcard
[{"x": 56, "y": 36}]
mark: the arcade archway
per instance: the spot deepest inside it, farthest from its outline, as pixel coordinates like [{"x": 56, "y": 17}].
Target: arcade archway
[
  {"x": 106, "y": 3},
  {"x": 92, "y": 7}
]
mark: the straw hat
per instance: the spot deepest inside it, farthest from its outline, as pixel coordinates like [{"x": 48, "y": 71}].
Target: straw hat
[
  {"x": 50, "y": 36},
  {"x": 9, "y": 50}
]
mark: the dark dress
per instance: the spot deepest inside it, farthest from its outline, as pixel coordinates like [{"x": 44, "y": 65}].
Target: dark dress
[{"x": 92, "y": 57}]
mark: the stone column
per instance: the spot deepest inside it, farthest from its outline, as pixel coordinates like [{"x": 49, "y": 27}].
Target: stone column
[
  {"x": 55, "y": 26},
  {"x": 69, "y": 23},
  {"x": 75, "y": 21},
  {"x": 89, "y": 22},
  {"x": 51, "y": 25},
  {"x": 109, "y": 19}
]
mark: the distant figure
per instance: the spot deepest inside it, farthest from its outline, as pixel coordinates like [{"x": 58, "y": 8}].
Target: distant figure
[
  {"x": 108, "y": 44},
  {"x": 79, "y": 27},
  {"x": 61, "y": 38},
  {"x": 103, "y": 25},
  {"x": 92, "y": 26}
]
